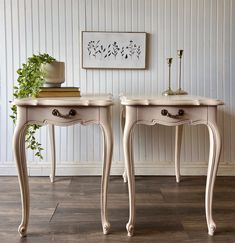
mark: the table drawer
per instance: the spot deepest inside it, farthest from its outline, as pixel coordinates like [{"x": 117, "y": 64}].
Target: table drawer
[
  {"x": 171, "y": 115},
  {"x": 63, "y": 115}
]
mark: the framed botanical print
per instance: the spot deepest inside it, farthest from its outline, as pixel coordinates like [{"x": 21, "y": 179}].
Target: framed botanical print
[{"x": 115, "y": 50}]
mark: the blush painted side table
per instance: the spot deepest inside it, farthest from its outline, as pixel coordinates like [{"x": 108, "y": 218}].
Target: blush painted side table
[
  {"x": 62, "y": 111},
  {"x": 171, "y": 111}
]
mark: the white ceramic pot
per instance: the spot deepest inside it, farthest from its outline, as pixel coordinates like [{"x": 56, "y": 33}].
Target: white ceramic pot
[{"x": 53, "y": 74}]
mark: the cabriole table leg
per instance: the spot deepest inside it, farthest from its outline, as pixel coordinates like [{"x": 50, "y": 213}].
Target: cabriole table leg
[
  {"x": 53, "y": 153},
  {"x": 129, "y": 166},
  {"x": 105, "y": 124},
  {"x": 178, "y": 142},
  {"x": 214, "y": 154},
  {"x": 19, "y": 153}
]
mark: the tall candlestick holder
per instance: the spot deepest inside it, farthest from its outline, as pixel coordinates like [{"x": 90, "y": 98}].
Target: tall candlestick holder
[
  {"x": 180, "y": 91},
  {"x": 169, "y": 91}
]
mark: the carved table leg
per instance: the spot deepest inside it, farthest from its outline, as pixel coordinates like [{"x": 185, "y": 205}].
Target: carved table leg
[
  {"x": 129, "y": 165},
  {"x": 19, "y": 153},
  {"x": 122, "y": 124},
  {"x": 178, "y": 142},
  {"x": 107, "y": 154},
  {"x": 124, "y": 175},
  {"x": 53, "y": 153},
  {"x": 215, "y": 148}
]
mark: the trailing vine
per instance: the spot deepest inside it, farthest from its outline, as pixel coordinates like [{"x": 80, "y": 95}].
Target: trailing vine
[{"x": 29, "y": 82}]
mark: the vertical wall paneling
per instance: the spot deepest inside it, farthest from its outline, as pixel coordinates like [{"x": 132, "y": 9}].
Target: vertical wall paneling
[
  {"x": 147, "y": 77},
  {"x": 220, "y": 65},
  {"x": 232, "y": 78},
  {"x": 174, "y": 46},
  {"x": 122, "y": 74},
  {"x": 115, "y": 78},
  {"x": 135, "y": 76},
  {"x": 96, "y": 80},
  {"x": 4, "y": 77},
  {"x": 70, "y": 81},
  {"x": 201, "y": 73},
  {"x": 194, "y": 77},
  {"x": 9, "y": 47},
  {"x": 102, "y": 27},
  {"x": 128, "y": 27},
  {"x": 63, "y": 56},
  {"x": 47, "y": 48},
  {"x": 141, "y": 86},
  {"x": 1, "y": 64},
  {"x": 83, "y": 78},
  {"x": 206, "y": 56},
  {"x": 90, "y": 82},
  {"x": 56, "y": 53},
  {"x": 76, "y": 71},
  {"x": 108, "y": 25},
  {"x": 162, "y": 78},
  {"x": 172, "y": 26},
  {"x": 153, "y": 63},
  {"x": 180, "y": 36},
  {"x": 226, "y": 76},
  {"x": 187, "y": 72},
  {"x": 204, "y": 29}
]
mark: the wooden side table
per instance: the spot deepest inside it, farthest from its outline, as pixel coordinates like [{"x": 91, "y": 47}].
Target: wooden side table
[
  {"x": 171, "y": 111},
  {"x": 62, "y": 111}
]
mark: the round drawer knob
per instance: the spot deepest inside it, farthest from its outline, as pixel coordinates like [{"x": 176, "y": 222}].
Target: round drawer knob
[
  {"x": 72, "y": 112},
  {"x": 181, "y": 112},
  {"x": 55, "y": 112},
  {"x": 164, "y": 112}
]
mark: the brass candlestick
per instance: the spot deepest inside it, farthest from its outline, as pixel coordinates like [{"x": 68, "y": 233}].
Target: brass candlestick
[
  {"x": 169, "y": 91},
  {"x": 179, "y": 91}
]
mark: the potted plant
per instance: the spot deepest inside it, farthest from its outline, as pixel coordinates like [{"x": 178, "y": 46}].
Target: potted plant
[
  {"x": 29, "y": 82},
  {"x": 53, "y": 73}
]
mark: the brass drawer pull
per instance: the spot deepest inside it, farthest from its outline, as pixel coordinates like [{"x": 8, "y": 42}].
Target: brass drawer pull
[
  {"x": 71, "y": 113},
  {"x": 165, "y": 112}
]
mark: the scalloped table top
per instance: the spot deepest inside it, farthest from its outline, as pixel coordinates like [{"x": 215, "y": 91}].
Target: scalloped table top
[
  {"x": 84, "y": 100},
  {"x": 185, "y": 100}
]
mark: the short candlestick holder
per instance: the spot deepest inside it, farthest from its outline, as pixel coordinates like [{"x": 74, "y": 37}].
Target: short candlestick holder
[{"x": 169, "y": 91}]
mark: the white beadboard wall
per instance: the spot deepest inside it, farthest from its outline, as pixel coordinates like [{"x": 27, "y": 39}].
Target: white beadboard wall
[{"x": 205, "y": 29}]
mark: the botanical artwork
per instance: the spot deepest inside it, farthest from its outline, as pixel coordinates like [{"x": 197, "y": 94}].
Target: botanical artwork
[{"x": 113, "y": 50}]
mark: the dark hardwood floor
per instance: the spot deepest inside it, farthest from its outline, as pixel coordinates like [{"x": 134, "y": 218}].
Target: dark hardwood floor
[{"x": 69, "y": 210}]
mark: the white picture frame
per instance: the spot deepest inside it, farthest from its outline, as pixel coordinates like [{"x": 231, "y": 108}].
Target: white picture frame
[{"x": 115, "y": 50}]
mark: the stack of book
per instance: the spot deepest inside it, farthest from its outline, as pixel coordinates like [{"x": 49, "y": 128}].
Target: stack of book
[{"x": 59, "y": 92}]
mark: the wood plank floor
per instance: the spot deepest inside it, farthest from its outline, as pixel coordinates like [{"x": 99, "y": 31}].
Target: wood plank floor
[{"x": 69, "y": 210}]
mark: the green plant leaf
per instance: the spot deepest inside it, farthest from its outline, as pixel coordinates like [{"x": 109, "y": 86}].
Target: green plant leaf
[{"x": 29, "y": 82}]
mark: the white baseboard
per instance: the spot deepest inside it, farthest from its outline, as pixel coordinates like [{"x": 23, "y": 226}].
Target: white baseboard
[{"x": 94, "y": 168}]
